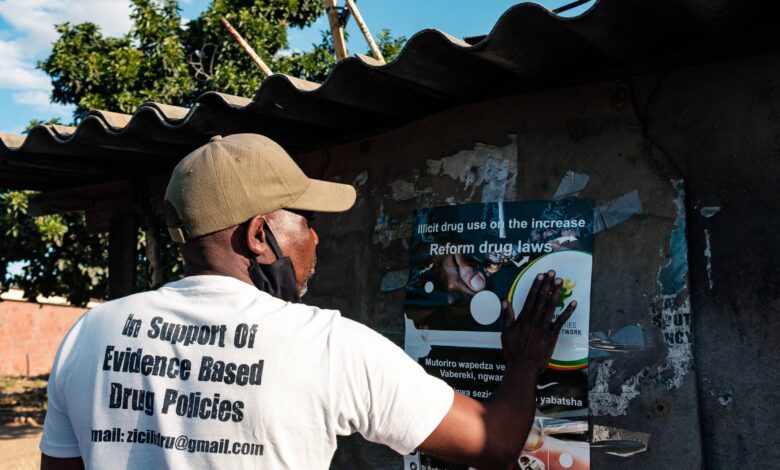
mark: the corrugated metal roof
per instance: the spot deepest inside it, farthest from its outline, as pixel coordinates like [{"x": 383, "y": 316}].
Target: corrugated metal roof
[{"x": 528, "y": 49}]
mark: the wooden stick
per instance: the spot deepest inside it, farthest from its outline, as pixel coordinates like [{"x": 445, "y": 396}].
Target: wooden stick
[
  {"x": 247, "y": 48},
  {"x": 364, "y": 29},
  {"x": 339, "y": 44}
]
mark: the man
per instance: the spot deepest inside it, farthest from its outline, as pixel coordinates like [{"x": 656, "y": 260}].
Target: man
[{"x": 225, "y": 369}]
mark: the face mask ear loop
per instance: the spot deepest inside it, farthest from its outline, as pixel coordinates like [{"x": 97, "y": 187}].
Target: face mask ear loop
[{"x": 269, "y": 236}]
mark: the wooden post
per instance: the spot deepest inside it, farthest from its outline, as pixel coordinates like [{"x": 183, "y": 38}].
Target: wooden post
[
  {"x": 339, "y": 44},
  {"x": 247, "y": 48},
  {"x": 364, "y": 29},
  {"x": 122, "y": 240}
]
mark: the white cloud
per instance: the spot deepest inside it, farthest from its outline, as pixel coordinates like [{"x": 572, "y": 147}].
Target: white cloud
[
  {"x": 34, "y": 20},
  {"x": 29, "y": 36},
  {"x": 32, "y": 98},
  {"x": 19, "y": 71},
  {"x": 32, "y": 23},
  {"x": 40, "y": 100}
]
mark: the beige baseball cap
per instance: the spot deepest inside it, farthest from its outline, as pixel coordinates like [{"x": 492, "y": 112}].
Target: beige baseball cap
[{"x": 231, "y": 179}]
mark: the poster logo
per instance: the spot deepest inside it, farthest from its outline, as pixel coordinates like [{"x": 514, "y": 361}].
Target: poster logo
[{"x": 566, "y": 291}]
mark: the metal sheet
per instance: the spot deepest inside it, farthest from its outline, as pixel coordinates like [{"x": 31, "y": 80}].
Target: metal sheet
[{"x": 528, "y": 49}]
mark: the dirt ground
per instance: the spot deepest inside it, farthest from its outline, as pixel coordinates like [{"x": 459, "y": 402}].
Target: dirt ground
[
  {"x": 19, "y": 446},
  {"x": 22, "y": 409}
]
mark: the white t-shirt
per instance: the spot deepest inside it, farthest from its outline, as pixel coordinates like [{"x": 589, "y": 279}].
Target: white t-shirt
[{"x": 209, "y": 372}]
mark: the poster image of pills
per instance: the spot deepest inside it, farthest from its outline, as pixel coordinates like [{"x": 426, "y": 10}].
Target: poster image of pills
[{"x": 467, "y": 259}]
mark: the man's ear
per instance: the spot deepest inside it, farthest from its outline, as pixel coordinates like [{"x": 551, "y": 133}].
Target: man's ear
[{"x": 256, "y": 240}]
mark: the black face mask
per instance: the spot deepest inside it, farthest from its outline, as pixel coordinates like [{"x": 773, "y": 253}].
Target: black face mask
[{"x": 277, "y": 278}]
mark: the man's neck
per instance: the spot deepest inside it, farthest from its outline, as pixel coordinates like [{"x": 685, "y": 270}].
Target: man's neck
[{"x": 224, "y": 265}]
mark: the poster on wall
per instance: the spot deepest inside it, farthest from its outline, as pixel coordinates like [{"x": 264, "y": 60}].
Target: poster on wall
[{"x": 465, "y": 259}]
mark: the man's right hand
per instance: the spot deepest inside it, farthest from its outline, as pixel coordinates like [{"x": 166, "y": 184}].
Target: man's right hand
[{"x": 529, "y": 339}]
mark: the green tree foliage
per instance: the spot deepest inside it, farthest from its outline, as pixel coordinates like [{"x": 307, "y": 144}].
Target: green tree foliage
[
  {"x": 163, "y": 60},
  {"x": 38, "y": 122},
  {"x": 55, "y": 254},
  {"x": 160, "y": 59},
  {"x": 389, "y": 45}
]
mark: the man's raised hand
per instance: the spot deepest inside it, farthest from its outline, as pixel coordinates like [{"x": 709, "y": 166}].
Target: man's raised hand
[{"x": 529, "y": 339}]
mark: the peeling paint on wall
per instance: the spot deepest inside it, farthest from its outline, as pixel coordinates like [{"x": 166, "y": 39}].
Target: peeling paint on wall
[
  {"x": 359, "y": 184},
  {"x": 709, "y": 211},
  {"x": 671, "y": 277},
  {"x": 724, "y": 399},
  {"x": 493, "y": 168},
  {"x": 402, "y": 190},
  {"x": 360, "y": 179},
  {"x": 708, "y": 257},
  {"x": 387, "y": 230},
  {"x": 394, "y": 280},
  {"x": 602, "y": 402},
  {"x": 671, "y": 310}
]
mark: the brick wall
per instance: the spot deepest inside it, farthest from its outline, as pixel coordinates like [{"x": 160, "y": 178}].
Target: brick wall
[{"x": 32, "y": 330}]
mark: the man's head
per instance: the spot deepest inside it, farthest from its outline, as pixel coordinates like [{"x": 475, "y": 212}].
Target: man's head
[{"x": 242, "y": 198}]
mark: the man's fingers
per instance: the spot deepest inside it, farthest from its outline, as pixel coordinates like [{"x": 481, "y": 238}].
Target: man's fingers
[
  {"x": 555, "y": 297},
  {"x": 544, "y": 294},
  {"x": 530, "y": 300},
  {"x": 451, "y": 278},
  {"x": 565, "y": 316},
  {"x": 471, "y": 276},
  {"x": 508, "y": 313}
]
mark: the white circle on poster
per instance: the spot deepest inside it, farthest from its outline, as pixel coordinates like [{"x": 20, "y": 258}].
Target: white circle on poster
[
  {"x": 485, "y": 307},
  {"x": 574, "y": 267},
  {"x": 566, "y": 460},
  {"x": 428, "y": 287}
]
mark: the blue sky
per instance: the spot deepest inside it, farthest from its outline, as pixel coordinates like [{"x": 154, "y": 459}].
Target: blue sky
[{"x": 27, "y": 31}]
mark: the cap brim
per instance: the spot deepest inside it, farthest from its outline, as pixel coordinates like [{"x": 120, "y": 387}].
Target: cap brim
[{"x": 323, "y": 196}]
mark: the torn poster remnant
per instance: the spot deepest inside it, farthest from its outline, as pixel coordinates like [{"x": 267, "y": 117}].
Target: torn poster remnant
[
  {"x": 708, "y": 257},
  {"x": 617, "y": 211},
  {"x": 619, "y": 442},
  {"x": 571, "y": 185},
  {"x": 626, "y": 339},
  {"x": 671, "y": 310}
]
